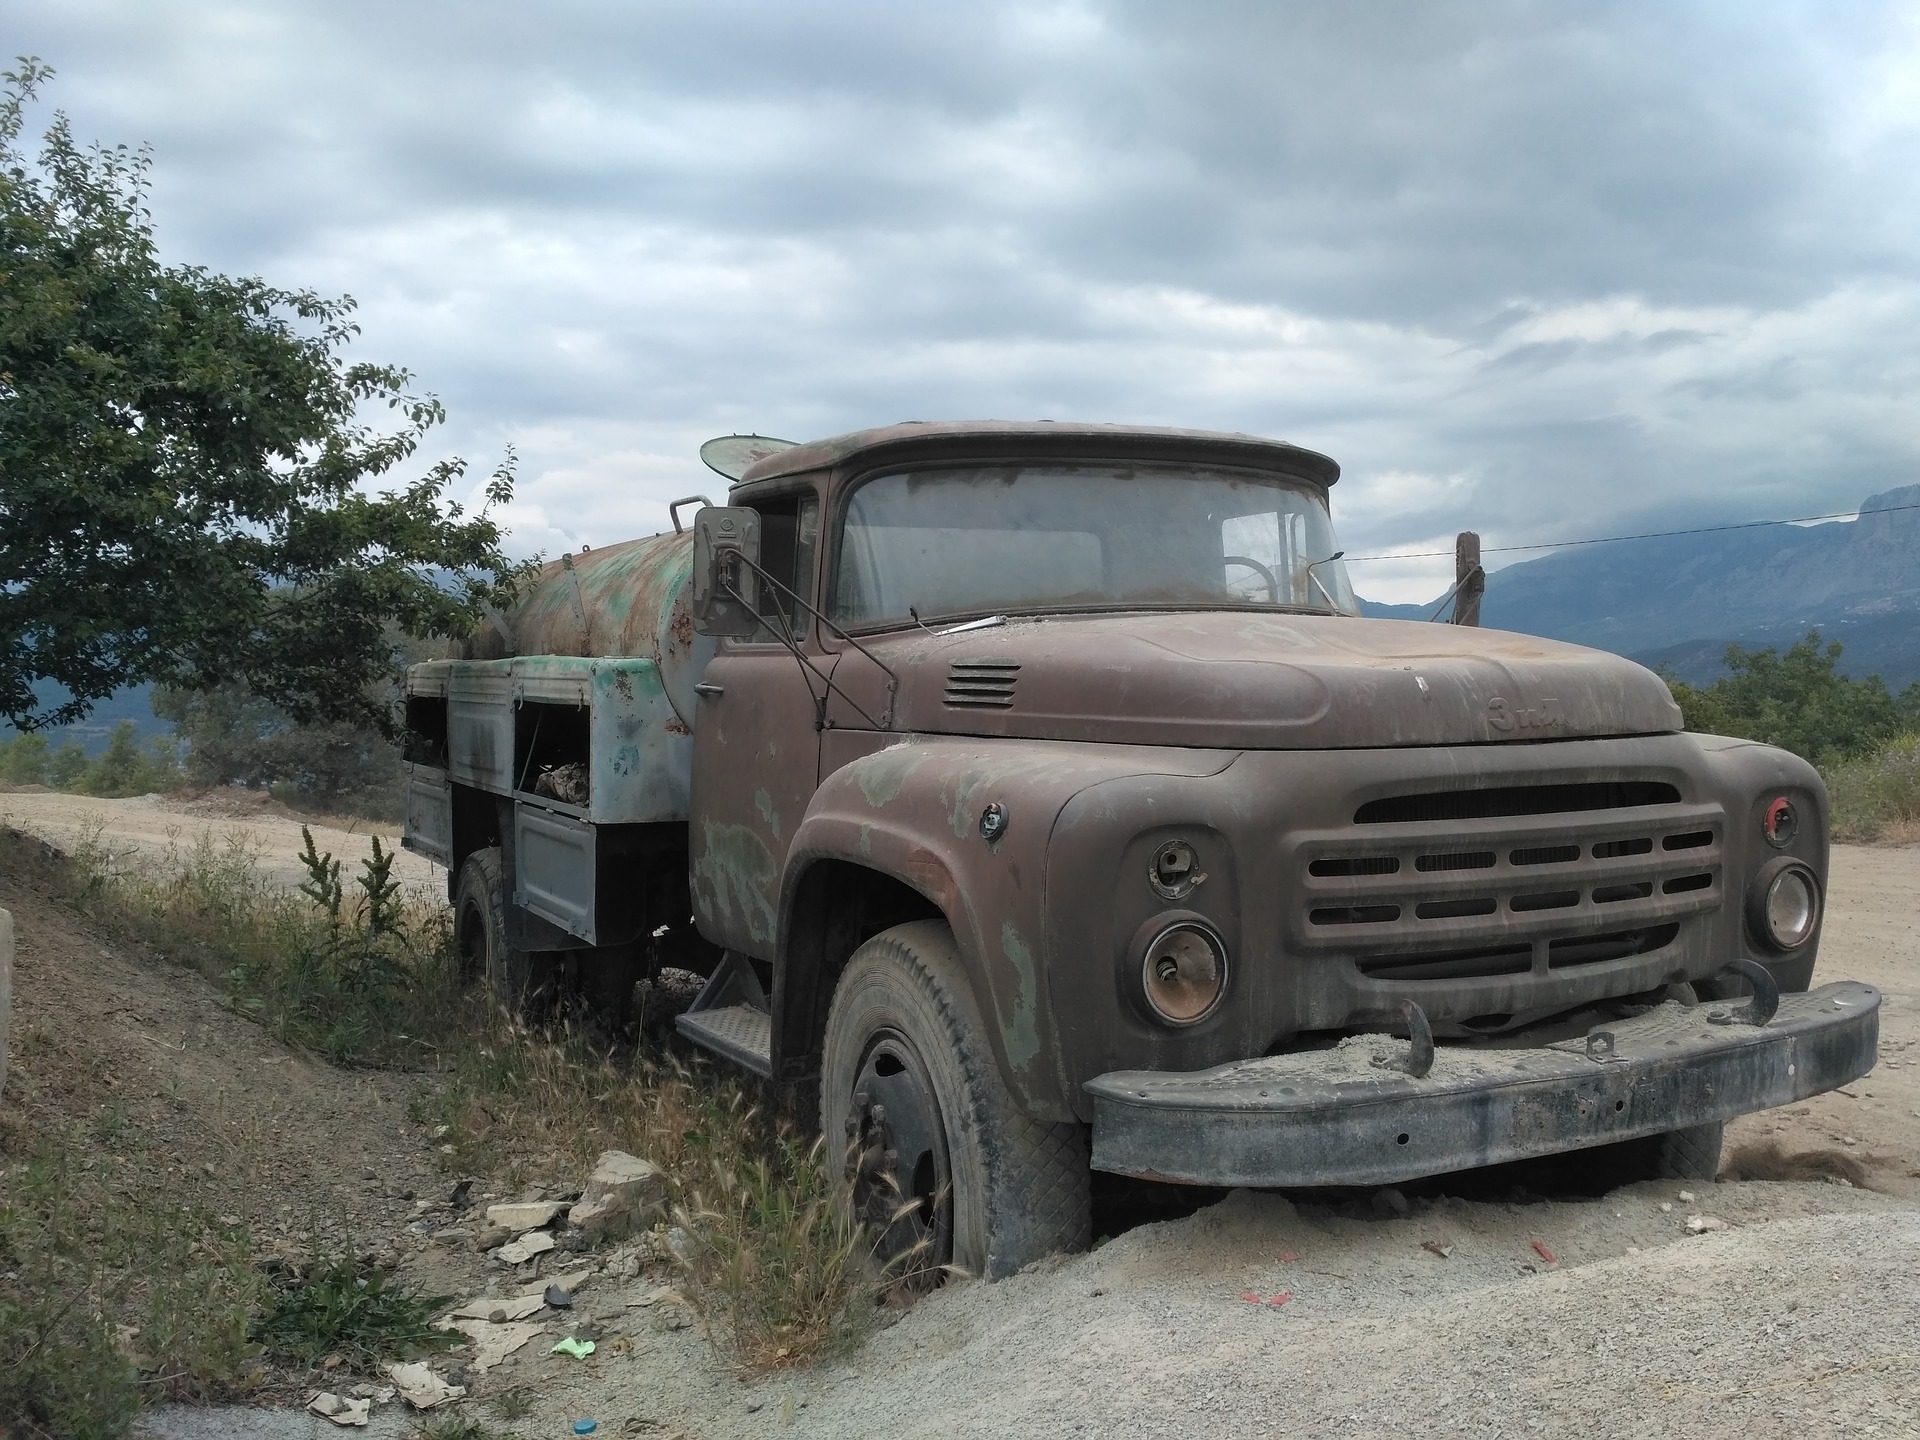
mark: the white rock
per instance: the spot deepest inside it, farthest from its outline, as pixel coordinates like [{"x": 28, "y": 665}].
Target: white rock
[
  {"x": 527, "y": 1215},
  {"x": 623, "y": 1194},
  {"x": 500, "y": 1309},
  {"x": 1702, "y": 1224},
  {"x": 534, "y": 1242}
]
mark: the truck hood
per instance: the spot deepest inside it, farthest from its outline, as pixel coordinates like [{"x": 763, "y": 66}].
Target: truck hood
[{"x": 1255, "y": 681}]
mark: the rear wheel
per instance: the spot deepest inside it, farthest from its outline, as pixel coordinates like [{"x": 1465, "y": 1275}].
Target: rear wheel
[
  {"x": 521, "y": 979},
  {"x": 938, "y": 1162}
]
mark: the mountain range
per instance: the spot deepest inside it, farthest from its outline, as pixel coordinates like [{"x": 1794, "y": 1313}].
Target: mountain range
[{"x": 1679, "y": 601}]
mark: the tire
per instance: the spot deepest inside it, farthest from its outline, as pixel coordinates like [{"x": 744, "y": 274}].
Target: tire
[
  {"x": 1002, "y": 1189},
  {"x": 522, "y": 980},
  {"x": 1690, "y": 1154}
]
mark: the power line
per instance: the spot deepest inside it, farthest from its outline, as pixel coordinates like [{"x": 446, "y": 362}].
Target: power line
[{"x": 1649, "y": 535}]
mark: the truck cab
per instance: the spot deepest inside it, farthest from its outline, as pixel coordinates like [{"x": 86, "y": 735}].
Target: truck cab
[{"x": 1034, "y": 798}]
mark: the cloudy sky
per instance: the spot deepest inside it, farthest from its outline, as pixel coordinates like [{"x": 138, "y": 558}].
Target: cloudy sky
[{"x": 1542, "y": 269}]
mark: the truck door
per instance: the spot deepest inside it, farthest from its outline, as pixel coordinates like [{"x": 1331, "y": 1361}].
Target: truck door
[{"x": 756, "y": 746}]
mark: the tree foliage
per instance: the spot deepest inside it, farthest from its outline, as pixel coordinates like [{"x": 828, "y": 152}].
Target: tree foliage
[
  {"x": 186, "y": 480},
  {"x": 1798, "y": 701},
  {"x": 235, "y": 738}
]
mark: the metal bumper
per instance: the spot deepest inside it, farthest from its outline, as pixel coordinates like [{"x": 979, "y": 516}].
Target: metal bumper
[{"x": 1344, "y": 1117}]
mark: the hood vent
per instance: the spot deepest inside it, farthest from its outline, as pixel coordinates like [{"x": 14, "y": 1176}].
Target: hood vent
[{"x": 982, "y": 684}]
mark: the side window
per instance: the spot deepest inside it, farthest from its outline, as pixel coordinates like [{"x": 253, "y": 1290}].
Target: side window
[{"x": 789, "y": 539}]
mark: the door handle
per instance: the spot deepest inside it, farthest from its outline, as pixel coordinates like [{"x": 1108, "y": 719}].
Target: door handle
[{"x": 712, "y": 692}]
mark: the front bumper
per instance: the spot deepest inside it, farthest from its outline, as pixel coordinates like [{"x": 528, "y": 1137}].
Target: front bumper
[{"x": 1334, "y": 1117}]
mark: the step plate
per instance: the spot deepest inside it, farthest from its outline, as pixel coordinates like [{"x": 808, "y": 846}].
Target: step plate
[{"x": 741, "y": 1033}]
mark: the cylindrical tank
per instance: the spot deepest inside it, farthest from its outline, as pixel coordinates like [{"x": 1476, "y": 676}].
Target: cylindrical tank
[{"x": 627, "y": 599}]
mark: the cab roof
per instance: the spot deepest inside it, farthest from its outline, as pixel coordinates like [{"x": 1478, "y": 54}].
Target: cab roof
[{"x": 921, "y": 440}]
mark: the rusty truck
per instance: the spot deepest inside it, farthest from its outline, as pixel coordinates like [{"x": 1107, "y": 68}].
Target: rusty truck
[{"x": 1033, "y": 799}]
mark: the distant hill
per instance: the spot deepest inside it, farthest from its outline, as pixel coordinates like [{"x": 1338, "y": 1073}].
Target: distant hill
[{"x": 1682, "y": 599}]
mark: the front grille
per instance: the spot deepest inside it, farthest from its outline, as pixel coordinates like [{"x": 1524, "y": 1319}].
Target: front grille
[
  {"x": 982, "y": 684},
  {"x": 1470, "y": 884},
  {"x": 1516, "y": 800}
]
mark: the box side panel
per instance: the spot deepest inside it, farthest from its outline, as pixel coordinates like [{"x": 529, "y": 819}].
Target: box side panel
[
  {"x": 480, "y": 724},
  {"x": 554, "y": 867},
  {"x": 429, "y": 829}
]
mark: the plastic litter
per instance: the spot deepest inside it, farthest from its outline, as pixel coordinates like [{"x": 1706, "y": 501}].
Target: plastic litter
[
  {"x": 1282, "y": 1298},
  {"x": 585, "y": 1427},
  {"x": 1540, "y": 1249},
  {"x": 579, "y": 1349},
  {"x": 1287, "y": 1257},
  {"x": 1442, "y": 1248}
]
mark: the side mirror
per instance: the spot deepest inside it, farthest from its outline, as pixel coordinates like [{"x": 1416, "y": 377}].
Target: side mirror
[{"x": 723, "y": 588}]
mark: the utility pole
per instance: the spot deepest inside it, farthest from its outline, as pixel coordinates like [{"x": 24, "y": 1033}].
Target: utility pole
[{"x": 1469, "y": 580}]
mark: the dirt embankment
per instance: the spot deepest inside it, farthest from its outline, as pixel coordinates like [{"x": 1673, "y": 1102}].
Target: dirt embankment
[{"x": 1266, "y": 1314}]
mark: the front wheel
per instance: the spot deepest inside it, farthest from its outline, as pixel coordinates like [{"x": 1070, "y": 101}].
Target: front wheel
[{"x": 939, "y": 1164}]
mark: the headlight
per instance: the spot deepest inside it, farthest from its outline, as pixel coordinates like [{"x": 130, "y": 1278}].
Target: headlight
[
  {"x": 1783, "y": 907},
  {"x": 1183, "y": 970}
]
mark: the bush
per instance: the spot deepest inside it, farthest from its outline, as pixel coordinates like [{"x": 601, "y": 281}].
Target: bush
[
  {"x": 122, "y": 769},
  {"x": 1877, "y": 797},
  {"x": 23, "y": 760},
  {"x": 235, "y": 738},
  {"x": 1798, "y": 701}
]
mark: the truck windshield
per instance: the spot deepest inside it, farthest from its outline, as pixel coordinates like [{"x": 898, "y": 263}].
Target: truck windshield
[{"x": 1005, "y": 538}]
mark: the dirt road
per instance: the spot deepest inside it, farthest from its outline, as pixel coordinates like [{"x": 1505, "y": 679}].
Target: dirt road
[
  {"x": 149, "y": 827},
  {"x": 1803, "y": 1317}
]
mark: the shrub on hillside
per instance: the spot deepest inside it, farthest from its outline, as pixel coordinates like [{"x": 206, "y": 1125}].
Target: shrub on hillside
[
  {"x": 1877, "y": 797},
  {"x": 122, "y": 769},
  {"x": 1798, "y": 701}
]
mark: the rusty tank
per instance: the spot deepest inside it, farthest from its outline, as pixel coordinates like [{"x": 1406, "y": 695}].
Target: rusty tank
[{"x": 628, "y": 600}]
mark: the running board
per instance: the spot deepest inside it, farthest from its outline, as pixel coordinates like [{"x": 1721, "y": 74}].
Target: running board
[{"x": 730, "y": 1016}]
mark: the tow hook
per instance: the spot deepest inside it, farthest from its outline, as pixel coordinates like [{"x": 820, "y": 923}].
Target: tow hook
[
  {"x": 1766, "y": 995},
  {"x": 1420, "y": 1043}
]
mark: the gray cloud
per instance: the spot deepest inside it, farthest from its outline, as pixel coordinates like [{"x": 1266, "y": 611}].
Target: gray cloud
[{"x": 1539, "y": 269}]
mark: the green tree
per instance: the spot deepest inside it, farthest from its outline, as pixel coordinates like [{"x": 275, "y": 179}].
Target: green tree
[
  {"x": 1798, "y": 701},
  {"x": 67, "y": 765},
  {"x": 185, "y": 480},
  {"x": 123, "y": 768},
  {"x": 25, "y": 760},
  {"x": 235, "y": 738}
]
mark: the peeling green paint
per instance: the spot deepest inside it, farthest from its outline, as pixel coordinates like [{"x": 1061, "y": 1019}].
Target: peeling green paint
[
  {"x": 763, "y": 802},
  {"x": 882, "y": 774},
  {"x": 866, "y": 838},
  {"x": 1019, "y": 1032},
  {"x": 626, "y": 760},
  {"x": 962, "y": 817},
  {"x": 734, "y": 875}
]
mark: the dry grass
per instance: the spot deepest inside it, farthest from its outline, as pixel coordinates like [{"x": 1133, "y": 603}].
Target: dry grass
[
  {"x": 346, "y": 969},
  {"x": 772, "y": 1261},
  {"x": 1876, "y": 799}
]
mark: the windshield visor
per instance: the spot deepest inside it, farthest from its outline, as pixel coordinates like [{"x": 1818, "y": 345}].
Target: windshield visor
[{"x": 1006, "y": 539}]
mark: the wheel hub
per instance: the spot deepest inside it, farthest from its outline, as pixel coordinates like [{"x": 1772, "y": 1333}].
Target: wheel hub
[{"x": 897, "y": 1165}]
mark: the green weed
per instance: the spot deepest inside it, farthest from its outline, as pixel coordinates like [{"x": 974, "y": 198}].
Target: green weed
[{"x": 360, "y": 1315}]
